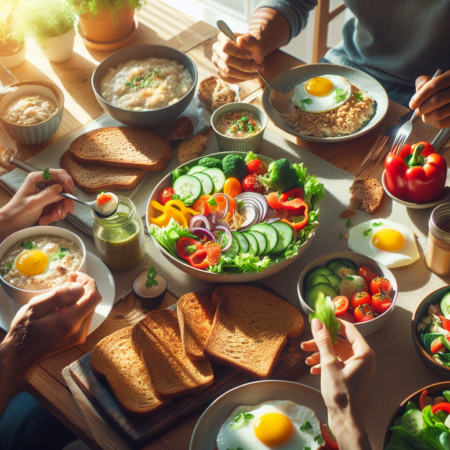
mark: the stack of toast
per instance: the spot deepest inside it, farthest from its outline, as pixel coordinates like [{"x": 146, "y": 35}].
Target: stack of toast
[{"x": 168, "y": 354}]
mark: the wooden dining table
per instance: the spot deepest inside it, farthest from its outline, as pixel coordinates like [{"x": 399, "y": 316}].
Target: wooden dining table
[{"x": 163, "y": 25}]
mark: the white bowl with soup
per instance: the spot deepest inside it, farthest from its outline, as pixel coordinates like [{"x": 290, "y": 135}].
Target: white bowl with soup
[
  {"x": 35, "y": 260},
  {"x": 32, "y": 114}
]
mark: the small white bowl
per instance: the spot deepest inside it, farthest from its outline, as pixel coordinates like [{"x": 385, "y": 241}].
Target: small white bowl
[
  {"x": 365, "y": 328},
  {"x": 22, "y": 296}
]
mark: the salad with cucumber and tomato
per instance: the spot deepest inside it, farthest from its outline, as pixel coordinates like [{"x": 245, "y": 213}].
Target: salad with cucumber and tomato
[{"x": 236, "y": 214}]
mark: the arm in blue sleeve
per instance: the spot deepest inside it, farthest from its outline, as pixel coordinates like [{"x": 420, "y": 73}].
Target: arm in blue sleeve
[{"x": 296, "y": 12}]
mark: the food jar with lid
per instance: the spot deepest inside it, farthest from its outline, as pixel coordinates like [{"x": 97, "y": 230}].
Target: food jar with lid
[{"x": 437, "y": 256}]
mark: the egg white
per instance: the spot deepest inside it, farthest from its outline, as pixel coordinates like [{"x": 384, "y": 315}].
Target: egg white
[{"x": 360, "y": 243}]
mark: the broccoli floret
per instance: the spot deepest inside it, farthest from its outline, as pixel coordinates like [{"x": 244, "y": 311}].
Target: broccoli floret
[
  {"x": 210, "y": 163},
  {"x": 281, "y": 176},
  {"x": 234, "y": 166}
]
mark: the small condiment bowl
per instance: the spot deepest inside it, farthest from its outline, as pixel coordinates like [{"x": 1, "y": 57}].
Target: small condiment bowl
[
  {"x": 365, "y": 328},
  {"x": 22, "y": 296},
  {"x": 421, "y": 311},
  {"x": 39, "y": 132},
  {"x": 234, "y": 144}
]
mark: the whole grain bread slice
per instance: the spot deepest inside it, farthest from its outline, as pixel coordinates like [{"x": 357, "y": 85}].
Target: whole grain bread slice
[
  {"x": 250, "y": 329},
  {"x": 195, "y": 316},
  {"x": 132, "y": 148},
  {"x": 113, "y": 359},
  {"x": 367, "y": 194},
  {"x": 214, "y": 92},
  {"x": 157, "y": 339},
  {"x": 92, "y": 179}
]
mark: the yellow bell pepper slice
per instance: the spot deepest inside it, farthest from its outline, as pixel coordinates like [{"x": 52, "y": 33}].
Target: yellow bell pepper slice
[{"x": 172, "y": 209}]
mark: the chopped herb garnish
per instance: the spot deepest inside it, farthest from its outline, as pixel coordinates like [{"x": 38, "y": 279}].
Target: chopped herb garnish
[
  {"x": 150, "y": 281},
  {"x": 212, "y": 202},
  {"x": 63, "y": 251},
  {"x": 240, "y": 419},
  {"x": 306, "y": 101},
  {"x": 349, "y": 278},
  {"x": 340, "y": 94},
  {"x": 6, "y": 268},
  {"x": 175, "y": 197},
  {"x": 340, "y": 236},
  {"x": 305, "y": 426},
  {"x": 319, "y": 439},
  {"x": 348, "y": 224},
  {"x": 150, "y": 80},
  {"x": 367, "y": 232},
  {"x": 377, "y": 224},
  {"x": 240, "y": 204},
  {"x": 243, "y": 119},
  {"x": 191, "y": 248},
  {"x": 28, "y": 245},
  {"x": 47, "y": 175},
  {"x": 359, "y": 97},
  {"x": 243, "y": 124}
]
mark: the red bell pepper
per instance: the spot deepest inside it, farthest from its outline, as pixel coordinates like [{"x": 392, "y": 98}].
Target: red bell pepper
[
  {"x": 196, "y": 254},
  {"x": 185, "y": 247},
  {"x": 422, "y": 398},
  {"x": 292, "y": 194},
  {"x": 443, "y": 406},
  {"x": 418, "y": 178},
  {"x": 297, "y": 218}
]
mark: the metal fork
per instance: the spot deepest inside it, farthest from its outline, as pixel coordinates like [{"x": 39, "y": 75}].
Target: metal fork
[{"x": 405, "y": 130}]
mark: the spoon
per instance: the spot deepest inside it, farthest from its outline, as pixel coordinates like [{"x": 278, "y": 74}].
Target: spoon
[{"x": 277, "y": 99}]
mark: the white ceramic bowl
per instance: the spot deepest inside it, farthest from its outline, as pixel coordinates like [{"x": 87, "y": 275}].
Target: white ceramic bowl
[
  {"x": 203, "y": 274},
  {"x": 205, "y": 432},
  {"x": 22, "y": 296},
  {"x": 365, "y": 328}
]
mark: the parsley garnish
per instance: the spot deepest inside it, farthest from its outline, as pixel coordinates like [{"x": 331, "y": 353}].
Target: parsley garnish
[
  {"x": 46, "y": 175},
  {"x": 306, "y": 101},
  {"x": 7, "y": 267},
  {"x": 305, "y": 426},
  {"x": 28, "y": 245},
  {"x": 150, "y": 80},
  {"x": 212, "y": 202},
  {"x": 239, "y": 421},
  {"x": 243, "y": 119},
  {"x": 377, "y": 224},
  {"x": 340, "y": 94},
  {"x": 348, "y": 224},
  {"x": 319, "y": 439},
  {"x": 150, "y": 281},
  {"x": 191, "y": 248},
  {"x": 340, "y": 236},
  {"x": 367, "y": 232},
  {"x": 349, "y": 278},
  {"x": 175, "y": 197},
  {"x": 359, "y": 97},
  {"x": 243, "y": 124},
  {"x": 62, "y": 252},
  {"x": 240, "y": 204}
]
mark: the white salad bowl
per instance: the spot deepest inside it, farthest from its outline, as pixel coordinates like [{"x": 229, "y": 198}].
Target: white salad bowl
[
  {"x": 22, "y": 296},
  {"x": 204, "y": 274},
  {"x": 365, "y": 328}
]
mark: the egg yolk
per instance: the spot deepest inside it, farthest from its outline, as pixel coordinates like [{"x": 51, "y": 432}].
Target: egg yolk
[
  {"x": 389, "y": 240},
  {"x": 273, "y": 429},
  {"x": 32, "y": 263},
  {"x": 319, "y": 86}
]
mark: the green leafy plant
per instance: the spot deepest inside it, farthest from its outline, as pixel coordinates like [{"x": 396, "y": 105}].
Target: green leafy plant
[
  {"x": 150, "y": 281},
  {"x": 39, "y": 20},
  {"x": 96, "y": 6}
]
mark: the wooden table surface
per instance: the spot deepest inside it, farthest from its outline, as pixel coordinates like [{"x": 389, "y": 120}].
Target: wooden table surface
[{"x": 160, "y": 24}]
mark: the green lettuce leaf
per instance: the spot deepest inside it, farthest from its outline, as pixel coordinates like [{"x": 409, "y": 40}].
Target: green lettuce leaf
[
  {"x": 324, "y": 311},
  {"x": 241, "y": 263},
  {"x": 250, "y": 156},
  {"x": 403, "y": 440}
]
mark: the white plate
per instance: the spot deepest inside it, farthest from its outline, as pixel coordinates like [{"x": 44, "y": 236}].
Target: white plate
[
  {"x": 205, "y": 432},
  {"x": 287, "y": 80},
  {"x": 95, "y": 269}
]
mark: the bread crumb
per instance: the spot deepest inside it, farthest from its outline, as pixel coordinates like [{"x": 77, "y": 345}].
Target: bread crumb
[
  {"x": 347, "y": 213},
  {"x": 346, "y": 236}
]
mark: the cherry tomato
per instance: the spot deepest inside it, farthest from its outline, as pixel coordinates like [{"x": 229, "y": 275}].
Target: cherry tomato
[
  {"x": 274, "y": 201},
  {"x": 251, "y": 183},
  {"x": 348, "y": 317},
  {"x": 367, "y": 273},
  {"x": 341, "y": 305},
  {"x": 201, "y": 205},
  {"x": 380, "y": 284},
  {"x": 255, "y": 166},
  {"x": 165, "y": 195},
  {"x": 363, "y": 313},
  {"x": 360, "y": 298},
  {"x": 328, "y": 435},
  {"x": 232, "y": 187},
  {"x": 381, "y": 302}
]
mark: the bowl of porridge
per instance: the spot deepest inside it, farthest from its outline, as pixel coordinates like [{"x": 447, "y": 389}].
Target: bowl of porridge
[
  {"x": 239, "y": 127},
  {"x": 146, "y": 86},
  {"x": 35, "y": 260},
  {"x": 32, "y": 114}
]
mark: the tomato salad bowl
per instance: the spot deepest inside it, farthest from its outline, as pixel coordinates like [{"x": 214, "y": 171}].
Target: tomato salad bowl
[{"x": 225, "y": 217}]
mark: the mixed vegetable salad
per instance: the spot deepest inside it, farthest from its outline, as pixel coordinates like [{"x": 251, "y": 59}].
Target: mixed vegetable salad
[
  {"x": 237, "y": 215},
  {"x": 423, "y": 426}
]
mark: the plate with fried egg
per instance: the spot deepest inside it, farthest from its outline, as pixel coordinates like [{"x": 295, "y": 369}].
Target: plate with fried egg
[
  {"x": 333, "y": 103},
  {"x": 263, "y": 415}
]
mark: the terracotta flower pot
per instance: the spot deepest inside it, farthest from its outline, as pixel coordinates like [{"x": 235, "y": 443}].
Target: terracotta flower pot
[
  {"x": 102, "y": 28},
  {"x": 12, "y": 54}
]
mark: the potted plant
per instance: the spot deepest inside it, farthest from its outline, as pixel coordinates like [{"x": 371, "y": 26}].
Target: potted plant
[
  {"x": 50, "y": 23},
  {"x": 104, "y": 21},
  {"x": 12, "y": 52}
]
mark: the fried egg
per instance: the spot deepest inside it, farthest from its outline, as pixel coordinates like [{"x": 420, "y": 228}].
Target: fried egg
[
  {"x": 321, "y": 94},
  {"x": 36, "y": 262},
  {"x": 390, "y": 243},
  {"x": 276, "y": 424}
]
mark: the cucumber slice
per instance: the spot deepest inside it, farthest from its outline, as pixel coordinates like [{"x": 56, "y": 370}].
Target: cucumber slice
[
  {"x": 218, "y": 178},
  {"x": 319, "y": 279},
  {"x": 207, "y": 182},
  {"x": 270, "y": 233},
  {"x": 334, "y": 280},
  {"x": 313, "y": 291},
  {"x": 428, "y": 340},
  {"x": 412, "y": 421},
  {"x": 253, "y": 247},
  {"x": 285, "y": 237},
  {"x": 445, "y": 305},
  {"x": 348, "y": 262},
  {"x": 319, "y": 271},
  {"x": 188, "y": 187},
  {"x": 233, "y": 250},
  {"x": 262, "y": 242},
  {"x": 196, "y": 169},
  {"x": 242, "y": 241}
]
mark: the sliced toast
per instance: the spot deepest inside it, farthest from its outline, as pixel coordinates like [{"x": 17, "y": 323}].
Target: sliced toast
[
  {"x": 132, "y": 148},
  {"x": 157, "y": 339},
  {"x": 195, "y": 316},
  {"x": 113, "y": 359},
  {"x": 367, "y": 194},
  {"x": 250, "y": 329},
  {"x": 214, "y": 93}
]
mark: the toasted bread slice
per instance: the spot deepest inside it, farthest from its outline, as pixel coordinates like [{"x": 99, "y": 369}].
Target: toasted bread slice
[
  {"x": 157, "y": 338},
  {"x": 191, "y": 149},
  {"x": 113, "y": 359},
  {"x": 182, "y": 128},
  {"x": 250, "y": 330},
  {"x": 214, "y": 92},
  {"x": 367, "y": 194},
  {"x": 92, "y": 179},
  {"x": 195, "y": 316},
  {"x": 132, "y": 148}
]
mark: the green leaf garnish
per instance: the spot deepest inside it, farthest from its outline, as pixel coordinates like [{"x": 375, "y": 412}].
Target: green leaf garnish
[
  {"x": 306, "y": 101},
  {"x": 46, "y": 175},
  {"x": 150, "y": 281},
  {"x": 6, "y": 268},
  {"x": 28, "y": 245},
  {"x": 340, "y": 94},
  {"x": 340, "y": 236},
  {"x": 240, "y": 419},
  {"x": 63, "y": 251},
  {"x": 348, "y": 224},
  {"x": 377, "y": 224},
  {"x": 319, "y": 439},
  {"x": 359, "y": 97},
  {"x": 240, "y": 204},
  {"x": 367, "y": 232},
  {"x": 243, "y": 119},
  {"x": 349, "y": 278},
  {"x": 212, "y": 202},
  {"x": 191, "y": 248},
  {"x": 305, "y": 426},
  {"x": 175, "y": 197},
  {"x": 150, "y": 80}
]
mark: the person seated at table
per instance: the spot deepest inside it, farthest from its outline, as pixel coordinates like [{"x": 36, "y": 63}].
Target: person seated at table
[
  {"x": 395, "y": 42},
  {"x": 48, "y": 324}
]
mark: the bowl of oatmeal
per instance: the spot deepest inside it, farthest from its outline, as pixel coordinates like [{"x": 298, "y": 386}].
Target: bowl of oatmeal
[
  {"x": 146, "y": 86},
  {"x": 35, "y": 260},
  {"x": 239, "y": 127},
  {"x": 32, "y": 114}
]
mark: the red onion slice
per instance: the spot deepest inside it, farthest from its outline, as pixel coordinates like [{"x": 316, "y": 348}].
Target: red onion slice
[
  {"x": 230, "y": 237},
  {"x": 256, "y": 202},
  {"x": 203, "y": 234},
  {"x": 199, "y": 221}
]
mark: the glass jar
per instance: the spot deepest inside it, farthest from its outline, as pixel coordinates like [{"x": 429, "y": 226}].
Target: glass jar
[
  {"x": 120, "y": 238},
  {"x": 437, "y": 256}
]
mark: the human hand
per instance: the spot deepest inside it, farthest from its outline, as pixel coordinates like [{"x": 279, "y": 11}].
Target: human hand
[
  {"x": 346, "y": 371},
  {"x": 433, "y": 100}
]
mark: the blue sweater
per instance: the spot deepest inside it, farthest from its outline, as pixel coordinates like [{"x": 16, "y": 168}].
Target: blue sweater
[{"x": 393, "y": 40}]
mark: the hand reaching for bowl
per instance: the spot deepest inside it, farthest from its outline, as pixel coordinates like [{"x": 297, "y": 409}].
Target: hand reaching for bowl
[{"x": 346, "y": 371}]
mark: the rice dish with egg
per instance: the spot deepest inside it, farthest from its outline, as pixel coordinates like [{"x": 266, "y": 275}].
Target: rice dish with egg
[{"x": 40, "y": 262}]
